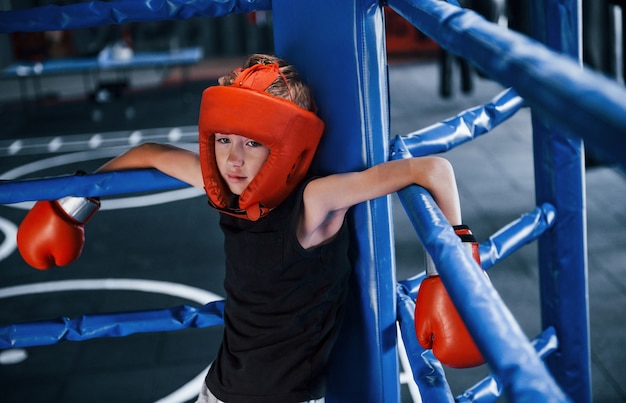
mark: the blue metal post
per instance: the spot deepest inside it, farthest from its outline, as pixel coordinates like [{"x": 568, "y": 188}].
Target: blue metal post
[
  {"x": 338, "y": 46},
  {"x": 559, "y": 180}
]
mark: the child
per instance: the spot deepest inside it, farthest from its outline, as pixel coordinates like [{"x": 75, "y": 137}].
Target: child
[{"x": 286, "y": 240}]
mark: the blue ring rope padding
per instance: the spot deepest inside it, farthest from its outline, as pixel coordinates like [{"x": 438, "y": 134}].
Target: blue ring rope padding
[
  {"x": 99, "y": 184},
  {"x": 461, "y": 128},
  {"x": 489, "y": 389},
  {"x": 527, "y": 228},
  {"x": 492, "y": 326},
  {"x": 581, "y": 100},
  {"x": 85, "y": 327},
  {"x": 428, "y": 372},
  {"x": 95, "y": 13}
]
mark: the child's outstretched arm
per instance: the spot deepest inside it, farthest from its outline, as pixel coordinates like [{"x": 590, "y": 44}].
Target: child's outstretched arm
[
  {"x": 327, "y": 199},
  {"x": 438, "y": 325},
  {"x": 52, "y": 233},
  {"x": 177, "y": 162}
]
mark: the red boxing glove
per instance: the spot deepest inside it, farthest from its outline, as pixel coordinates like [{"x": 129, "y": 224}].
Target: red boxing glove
[
  {"x": 438, "y": 324},
  {"x": 52, "y": 233}
]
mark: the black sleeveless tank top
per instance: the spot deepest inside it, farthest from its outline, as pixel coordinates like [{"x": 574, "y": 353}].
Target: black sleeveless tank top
[{"x": 283, "y": 310}]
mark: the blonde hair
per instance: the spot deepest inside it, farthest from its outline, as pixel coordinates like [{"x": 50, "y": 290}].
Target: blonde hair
[{"x": 288, "y": 85}]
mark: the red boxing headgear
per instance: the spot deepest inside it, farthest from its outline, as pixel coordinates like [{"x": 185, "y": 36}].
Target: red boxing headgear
[{"x": 244, "y": 108}]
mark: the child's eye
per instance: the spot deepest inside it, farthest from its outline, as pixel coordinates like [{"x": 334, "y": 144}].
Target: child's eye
[
  {"x": 253, "y": 143},
  {"x": 222, "y": 140}
]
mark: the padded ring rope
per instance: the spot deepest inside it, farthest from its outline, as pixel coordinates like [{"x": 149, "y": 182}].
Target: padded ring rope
[
  {"x": 588, "y": 104},
  {"x": 95, "y": 13},
  {"x": 492, "y": 326},
  {"x": 464, "y": 127},
  {"x": 528, "y": 228},
  {"x": 100, "y": 184},
  {"x": 88, "y": 327}
]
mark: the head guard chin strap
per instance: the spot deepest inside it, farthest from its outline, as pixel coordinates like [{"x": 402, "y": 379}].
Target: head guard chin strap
[{"x": 290, "y": 132}]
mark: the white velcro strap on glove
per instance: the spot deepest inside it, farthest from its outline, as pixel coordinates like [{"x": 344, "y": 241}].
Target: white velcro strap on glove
[{"x": 80, "y": 209}]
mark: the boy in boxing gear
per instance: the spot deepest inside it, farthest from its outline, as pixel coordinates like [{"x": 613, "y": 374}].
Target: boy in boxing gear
[{"x": 286, "y": 240}]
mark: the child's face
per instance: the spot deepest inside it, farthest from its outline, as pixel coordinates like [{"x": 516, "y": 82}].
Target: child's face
[{"x": 239, "y": 159}]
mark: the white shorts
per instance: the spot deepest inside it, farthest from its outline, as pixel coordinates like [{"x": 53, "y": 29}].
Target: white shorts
[{"x": 206, "y": 396}]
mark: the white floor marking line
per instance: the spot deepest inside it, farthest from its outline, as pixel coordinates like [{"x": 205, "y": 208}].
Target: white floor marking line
[
  {"x": 13, "y": 356},
  {"x": 10, "y": 243},
  {"x": 84, "y": 141},
  {"x": 135, "y": 138},
  {"x": 60, "y": 160},
  {"x": 175, "y": 134},
  {"x": 55, "y": 144},
  {"x": 15, "y": 147},
  {"x": 95, "y": 141}
]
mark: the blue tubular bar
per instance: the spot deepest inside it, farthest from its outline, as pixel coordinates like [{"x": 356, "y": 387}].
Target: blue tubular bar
[
  {"x": 507, "y": 240},
  {"x": 520, "y": 232},
  {"x": 549, "y": 82},
  {"x": 95, "y": 13},
  {"x": 496, "y": 333},
  {"x": 100, "y": 184},
  {"x": 465, "y": 126},
  {"x": 489, "y": 389},
  {"x": 428, "y": 372},
  {"x": 560, "y": 181},
  {"x": 85, "y": 327}
]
